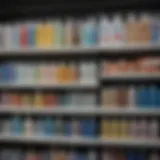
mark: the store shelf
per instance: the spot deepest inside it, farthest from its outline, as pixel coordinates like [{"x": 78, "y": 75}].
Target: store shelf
[
  {"x": 61, "y": 140},
  {"x": 131, "y": 76},
  {"x": 80, "y": 110},
  {"x": 90, "y": 85},
  {"x": 79, "y": 49}
]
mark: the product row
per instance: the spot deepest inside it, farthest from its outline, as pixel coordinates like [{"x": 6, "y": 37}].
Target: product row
[
  {"x": 48, "y": 73},
  {"x": 85, "y": 32},
  {"x": 75, "y": 154},
  {"x": 130, "y": 128},
  {"x": 115, "y": 128},
  {"x": 144, "y": 65},
  {"x": 48, "y": 126},
  {"x": 46, "y": 100},
  {"x": 143, "y": 96}
]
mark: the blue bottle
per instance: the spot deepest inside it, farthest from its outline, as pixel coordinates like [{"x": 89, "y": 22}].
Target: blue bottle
[
  {"x": 31, "y": 29},
  {"x": 39, "y": 127},
  {"x": 67, "y": 128},
  {"x": 131, "y": 155},
  {"x": 155, "y": 30},
  {"x": 88, "y": 33},
  {"x": 48, "y": 126},
  {"x": 17, "y": 126}
]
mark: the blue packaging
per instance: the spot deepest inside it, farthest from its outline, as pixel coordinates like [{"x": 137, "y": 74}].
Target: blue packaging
[
  {"x": 148, "y": 98},
  {"x": 91, "y": 128},
  {"x": 39, "y": 127},
  {"x": 155, "y": 30},
  {"x": 82, "y": 156},
  {"x": 67, "y": 128},
  {"x": 157, "y": 97},
  {"x": 131, "y": 156},
  {"x": 48, "y": 126},
  {"x": 139, "y": 96},
  {"x": 31, "y": 30},
  {"x": 141, "y": 155},
  {"x": 17, "y": 126},
  {"x": 153, "y": 90},
  {"x": 88, "y": 33}
]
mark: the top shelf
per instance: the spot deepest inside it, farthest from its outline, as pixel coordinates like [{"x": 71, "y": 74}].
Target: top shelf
[{"x": 108, "y": 49}]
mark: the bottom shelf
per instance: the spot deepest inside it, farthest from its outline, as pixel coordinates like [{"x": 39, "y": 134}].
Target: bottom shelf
[{"x": 61, "y": 140}]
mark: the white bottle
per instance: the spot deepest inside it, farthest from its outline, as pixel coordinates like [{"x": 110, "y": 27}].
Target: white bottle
[
  {"x": 131, "y": 97},
  {"x": 106, "y": 32},
  {"x": 143, "y": 123},
  {"x": 28, "y": 126},
  {"x": 8, "y": 36},
  {"x": 154, "y": 129},
  {"x": 83, "y": 73},
  {"x": 118, "y": 26},
  {"x": 92, "y": 155}
]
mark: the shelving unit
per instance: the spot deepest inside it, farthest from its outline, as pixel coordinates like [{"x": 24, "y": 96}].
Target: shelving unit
[{"x": 96, "y": 53}]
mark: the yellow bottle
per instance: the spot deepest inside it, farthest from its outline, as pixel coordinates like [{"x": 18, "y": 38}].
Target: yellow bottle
[
  {"x": 124, "y": 129},
  {"x": 108, "y": 129},
  {"x": 103, "y": 128},
  {"x": 115, "y": 129},
  {"x": 49, "y": 35},
  {"x": 72, "y": 73},
  {"x": 40, "y": 31},
  {"x": 38, "y": 100}
]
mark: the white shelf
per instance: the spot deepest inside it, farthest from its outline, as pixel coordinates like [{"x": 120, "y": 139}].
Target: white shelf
[
  {"x": 80, "y": 110},
  {"x": 79, "y": 141},
  {"x": 79, "y": 49},
  {"x": 54, "y": 86}
]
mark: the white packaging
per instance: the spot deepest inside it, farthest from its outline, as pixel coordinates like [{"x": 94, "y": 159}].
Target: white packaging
[
  {"x": 106, "y": 32},
  {"x": 8, "y": 36},
  {"x": 131, "y": 100},
  {"x": 119, "y": 33},
  {"x": 28, "y": 126}
]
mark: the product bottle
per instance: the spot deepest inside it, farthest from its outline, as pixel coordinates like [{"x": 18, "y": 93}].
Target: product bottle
[
  {"x": 23, "y": 35},
  {"x": 59, "y": 33},
  {"x": 92, "y": 155},
  {"x": 16, "y": 126},
  {"x": 132, "y": 29},
  {"x": 132, "y": 97},
  {"x": 49, "y": 34},
  {"x": 144, "y": 29},
  {"x": 154, "y": 129},
  {"x": 68, "y": 32},
  {"x": 8, "y": 36},
  {"x": 31, "y": 27},
  {"x": 38, "y": 100},
  {"x": 59, "y": 127},
  {"x": 88, "y": 33},
  {"x": 119, "y": 33},
  {"x": 2, "y": 38},
  {"x": 75, "y": 127},
  {"x": 48, "y": 126},
  {"x": 154, "y": 156},
  {"x": 104, "y": 34},
  {"x": 28, "y": 126}
]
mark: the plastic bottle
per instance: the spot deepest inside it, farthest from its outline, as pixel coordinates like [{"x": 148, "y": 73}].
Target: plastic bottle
[
  {"x": 23, "y": 35},
  {"x": 28, "y": 126},
  {"x": 2, "y": 38},
  {"x": 144, "y": 29},
  {"x": 48, "y": 126},
  {"x": 154, "y": 129},
  {"x": 132, "y": 29},
  {"x": 8, "y": 36},
  {"x": 119, "y": 33},
  {"x": 59, "y": 33},
  {"x": 16, "y": 126},
  {"x": 31, "y": 29},
  {"x": 38, "y": 100},
  {"x": 68, "y": 32},
  {"x": 88, "y": 32}
]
